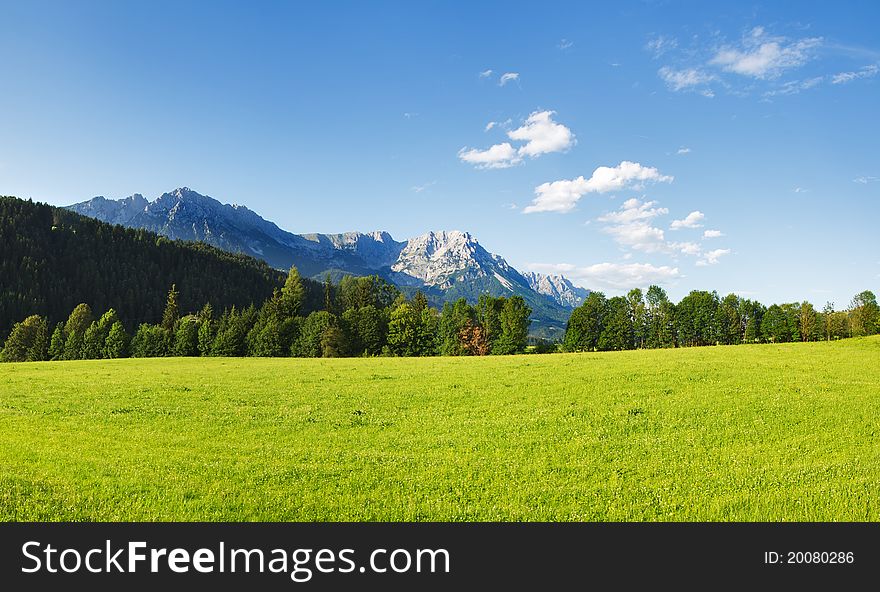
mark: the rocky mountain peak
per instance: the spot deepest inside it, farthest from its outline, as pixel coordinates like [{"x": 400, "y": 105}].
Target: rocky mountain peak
[{"x": 557, "y": 287}]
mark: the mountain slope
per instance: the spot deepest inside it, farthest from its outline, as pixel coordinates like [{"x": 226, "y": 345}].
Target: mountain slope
[
  {"x": 446, "y": 265},
  {"x": 557, "y": 287}
]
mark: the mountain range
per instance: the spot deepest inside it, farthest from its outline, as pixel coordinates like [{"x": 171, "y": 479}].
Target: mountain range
[{"x": 445, "y": 265}]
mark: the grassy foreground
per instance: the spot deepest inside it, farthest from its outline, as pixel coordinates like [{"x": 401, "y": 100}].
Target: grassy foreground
[{"x": 787, "y": 432}]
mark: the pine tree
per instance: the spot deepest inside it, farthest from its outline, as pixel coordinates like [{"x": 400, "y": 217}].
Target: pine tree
[
  {"x": 329, "y": 305},
  {"x": 206, "y": 336},
  {"x": 172, "y": 310},
  {"x": 56, "y": 344},
  {"x": 420, "y": 302}
]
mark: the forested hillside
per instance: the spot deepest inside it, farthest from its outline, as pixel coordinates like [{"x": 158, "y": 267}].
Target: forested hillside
[{"x": 53, "y": 259}]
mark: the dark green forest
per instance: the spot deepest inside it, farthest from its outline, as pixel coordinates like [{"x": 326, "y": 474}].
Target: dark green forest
[{"x": 53, "y": 259}]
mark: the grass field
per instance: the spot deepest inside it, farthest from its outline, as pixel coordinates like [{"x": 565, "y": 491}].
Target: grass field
[{"x": 786, "y": 432}]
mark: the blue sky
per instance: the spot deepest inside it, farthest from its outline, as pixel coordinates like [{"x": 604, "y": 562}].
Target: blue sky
[{"x": 621, "y": 136}]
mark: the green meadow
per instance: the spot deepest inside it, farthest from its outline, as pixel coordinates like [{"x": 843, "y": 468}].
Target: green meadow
[{"x": 744, "y": 433}]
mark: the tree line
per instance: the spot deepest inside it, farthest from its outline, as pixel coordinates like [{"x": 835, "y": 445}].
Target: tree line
[
  {"x": 651, "y": 320},
  {"x": 359, "y": 316}
]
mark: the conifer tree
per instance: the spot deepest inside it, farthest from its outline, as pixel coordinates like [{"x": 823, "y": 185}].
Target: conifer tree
[
  {"x": 172, "y": 310},
  {"x": 56, "y": 344}
]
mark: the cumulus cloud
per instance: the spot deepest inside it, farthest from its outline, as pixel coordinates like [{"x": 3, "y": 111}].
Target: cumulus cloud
[
  {"x": 711, "y": 257},
  {"x": 508, "y": 77},
  {"x": 499, "y": 156},
  {"x": 692, "y": 220},
  {"x": 639, "y": 236},
  {"x": 762, "y": 56},
  {"x": 542, "y": 135},
  {"x": 713, "y": 234},
  {"x": 844, "y": 77},
  {"x": 613, "y": 276},
  {"x": 686, "y": 79},
  {"x": 562, "y": 196},
  {"x": 692, "y": 249},
  {"x": 630, "y": 227}
]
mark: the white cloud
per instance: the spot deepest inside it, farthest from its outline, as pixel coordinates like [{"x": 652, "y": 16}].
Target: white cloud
[
  {"x": 800, "y": 190},
  {"x": 692, "y": 249},
  {"x": 562, "y": 196},
  {"x": 508, "y": 77},
  {"x": 866, "y": 72},
  {"x": 633, "y": 210},
  {"x": 558, "y": 196},
  {"x": 660, "y": 45},
  {"x": 542, "y": 135},
  {"x": 485, "y": 73},
  {"x": 638, "y": 236},
  {"x": 565, "y": 44},
  {"x": 630, "y": 226},
  {"x": 499, "y": 156},
  {"x": 713, "y": 234},
  {"x": 864, "y": 180},
  {"x": 613, "y": 276},
  {"x": 764, "y": 57},
  {"x": 684, "y": 150},
  {"x": 711, "y": 257},
  {"x": 685, "y": 79},
  {"x": 692, "y": 220}
]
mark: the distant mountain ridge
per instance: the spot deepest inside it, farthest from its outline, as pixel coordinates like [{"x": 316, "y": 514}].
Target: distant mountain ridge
[
  {"x": 446, "y": 265},
  {"x": 557, "y": 287}
]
